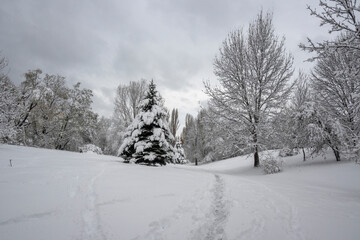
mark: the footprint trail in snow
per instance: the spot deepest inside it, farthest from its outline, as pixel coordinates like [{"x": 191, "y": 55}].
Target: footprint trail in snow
[
  {"x": 213, "y": 226},
  {"x": 91, "y": 221}
]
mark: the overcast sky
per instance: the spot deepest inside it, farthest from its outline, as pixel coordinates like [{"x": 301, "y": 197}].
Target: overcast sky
[{"x": 104, "y": 43}]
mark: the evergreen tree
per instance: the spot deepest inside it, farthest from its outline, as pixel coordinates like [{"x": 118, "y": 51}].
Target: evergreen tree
[
  {"x": 179, "y": 156},
  {"x": 148, "y": 139}
]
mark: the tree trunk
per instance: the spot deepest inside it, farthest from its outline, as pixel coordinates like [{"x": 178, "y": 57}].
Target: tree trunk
[
  {"x": 256, "y": 148},
  {"x": 256, "y": 157},
  {"x": 24, "y": 135},
  {"x": 304, "y": 157},
  {"x": 337, "y": 153}
]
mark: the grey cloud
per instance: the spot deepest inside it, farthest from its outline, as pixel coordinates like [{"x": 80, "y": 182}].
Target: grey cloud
[
  {"x": 104, "y": 43},
  {"x": 168, "y": 65},
  {"x": 44, "y": 35}
]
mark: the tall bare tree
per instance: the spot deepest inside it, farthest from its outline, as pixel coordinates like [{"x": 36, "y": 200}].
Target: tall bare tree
[
  {"x": 291, "y": 124},
  {"x": 127, "y": 100},
  {"x": 127, "y": 105},
  {"x": 335, "y": 80},
  {"x": 189, "y": 137},
  {"x": 3, "y": 65},
  {"x": 29, "y": 95},
  {"x": 8, "y": 105},
  {"x": 174, "y": 122},
  {"x": 253, "y": 70}
]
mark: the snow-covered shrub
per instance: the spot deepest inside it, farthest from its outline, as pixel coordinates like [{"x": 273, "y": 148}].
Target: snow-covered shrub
[
  {"x": 271, "y": 165},
  {"x": 184, "y": 161},
  {"x": 90, "y": 148},
  {"x": 286, "y": 152}
]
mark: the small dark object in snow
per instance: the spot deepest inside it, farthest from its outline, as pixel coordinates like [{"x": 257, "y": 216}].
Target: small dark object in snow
[{"x": 10, "y": 162}]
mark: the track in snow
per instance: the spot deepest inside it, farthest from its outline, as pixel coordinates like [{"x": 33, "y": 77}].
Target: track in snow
[
  {"x": 213, "y": 226},
  {"x": 91, "y": 220},
  {"x": 29, "y": 217},
  {"x": 219, "y": 211},
  {"x": 206, "y": 211}
]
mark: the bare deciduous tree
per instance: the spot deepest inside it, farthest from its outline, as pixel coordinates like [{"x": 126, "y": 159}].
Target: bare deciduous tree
[
  {"x": 8, "y": 105},
  {"x": 335, "y": 78},
  {"x": 188, "y": 137},
  {"x": 127, "y": 101},
  {"x": 253, "y": 71},
  {"x": 291, "y": 124},
  {"x": 342, "y": 16},
  {"x": 174, "y": 122},
  {"x": 3, "y": 65},
  {"x": 29, "y": 97},
  {"x": 299, "y": 104},
  {"x": 335, "y": 81}
]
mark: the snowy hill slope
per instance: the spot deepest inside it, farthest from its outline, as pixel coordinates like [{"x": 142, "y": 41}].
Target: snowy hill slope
[{"x": 50, "y": 194}]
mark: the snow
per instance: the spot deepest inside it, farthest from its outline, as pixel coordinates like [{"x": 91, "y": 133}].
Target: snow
[
  {"x": 50, "y": 194},
  {"x": 148, "y": 117}
]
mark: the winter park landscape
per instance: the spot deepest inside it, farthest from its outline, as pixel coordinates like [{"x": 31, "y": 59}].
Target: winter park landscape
[{"x": 180, "y": 120}]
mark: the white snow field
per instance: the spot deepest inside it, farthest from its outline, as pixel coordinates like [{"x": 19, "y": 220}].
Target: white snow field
[{"x": 49, "y": 195}]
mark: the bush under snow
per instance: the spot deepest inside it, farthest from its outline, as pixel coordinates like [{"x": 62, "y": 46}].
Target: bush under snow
[
  {"x": 271, "y": 165},
  {"x": 90, "y": 148}
]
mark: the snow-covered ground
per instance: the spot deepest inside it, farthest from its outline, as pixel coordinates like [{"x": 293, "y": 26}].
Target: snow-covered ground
[{"x": 50, "y": 194}]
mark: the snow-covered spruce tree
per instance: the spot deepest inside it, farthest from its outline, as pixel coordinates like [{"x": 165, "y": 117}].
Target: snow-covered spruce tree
[
  {"x": 148, "y": 138},
  {"x": 179, "y": 156}
]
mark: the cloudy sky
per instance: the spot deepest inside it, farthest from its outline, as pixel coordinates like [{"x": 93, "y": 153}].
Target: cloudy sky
[{"x": 104, "y": 43}]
